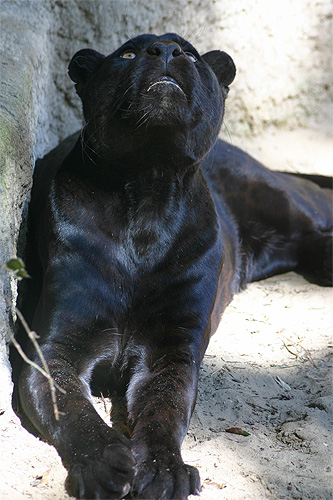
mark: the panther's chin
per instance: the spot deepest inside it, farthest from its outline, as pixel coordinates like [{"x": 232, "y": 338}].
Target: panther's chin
[{"x": 163, "y": 104}]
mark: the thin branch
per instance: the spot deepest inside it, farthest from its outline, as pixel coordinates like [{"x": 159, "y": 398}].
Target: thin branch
[
  {"x": 298, "y": 344},
  {"x": 285, "y": 345},
  {"x": 45, "y": 370}
]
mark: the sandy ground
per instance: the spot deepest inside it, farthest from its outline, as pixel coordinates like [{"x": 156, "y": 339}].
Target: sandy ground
[{"x": 268, "y": 371}]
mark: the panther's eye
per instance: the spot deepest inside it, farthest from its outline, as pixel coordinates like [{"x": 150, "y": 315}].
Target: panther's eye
[
  {"x": 191, "y": 56},
  {"x": 129, "y": 54}
]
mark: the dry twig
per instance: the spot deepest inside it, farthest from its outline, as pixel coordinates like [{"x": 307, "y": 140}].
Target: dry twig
[
  {"x": 298, "y": 344},
  {"x": 44, "y": 370}
]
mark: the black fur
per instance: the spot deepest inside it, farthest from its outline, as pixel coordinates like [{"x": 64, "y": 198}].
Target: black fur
[{"x": 142, "y": 229}]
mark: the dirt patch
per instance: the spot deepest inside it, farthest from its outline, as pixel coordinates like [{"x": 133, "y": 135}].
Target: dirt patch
[{"x": 267, "y": 371}]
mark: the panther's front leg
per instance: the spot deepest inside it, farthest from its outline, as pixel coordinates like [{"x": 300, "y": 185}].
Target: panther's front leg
[
  {"x": 160, "y": 403},
  {"x": 98, "y": 458}
]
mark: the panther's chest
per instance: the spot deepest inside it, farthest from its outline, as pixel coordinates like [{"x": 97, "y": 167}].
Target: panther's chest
[
  {"x": 108, "y": 234},
  {"x": 124, "y": 256}
]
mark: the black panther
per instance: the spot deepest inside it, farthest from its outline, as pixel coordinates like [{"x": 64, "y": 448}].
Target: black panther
[{"x": 142, "y": 228}]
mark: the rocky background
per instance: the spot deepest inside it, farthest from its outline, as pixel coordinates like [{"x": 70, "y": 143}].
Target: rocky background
[{"x": 283, "y": 54}]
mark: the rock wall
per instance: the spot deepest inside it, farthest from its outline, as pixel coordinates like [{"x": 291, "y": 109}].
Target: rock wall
[{"x": 282, "y": 51}]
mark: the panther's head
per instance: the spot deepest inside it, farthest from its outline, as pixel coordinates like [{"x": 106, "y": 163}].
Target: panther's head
[{"x": 153, "y": 89}]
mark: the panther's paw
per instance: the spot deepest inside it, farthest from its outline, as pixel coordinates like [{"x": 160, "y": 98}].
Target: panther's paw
[
  {"x": 328, "y": 261},
  {"x": 109, "y": 476},
  {"x": 316, "y": 258},
  {"x": 166, "y": 479},
  {"x": 323, "y": 260}
]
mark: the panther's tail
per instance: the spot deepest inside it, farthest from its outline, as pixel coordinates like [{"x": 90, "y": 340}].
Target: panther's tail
[{"x": 321, "y": 180}]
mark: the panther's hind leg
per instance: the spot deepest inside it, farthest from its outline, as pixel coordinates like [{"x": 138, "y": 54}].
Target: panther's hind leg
[
  {"x": 315, "y": 258},
  {"x": 311, "y": 217}
]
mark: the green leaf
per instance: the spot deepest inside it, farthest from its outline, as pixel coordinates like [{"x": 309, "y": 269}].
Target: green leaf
[
  {"x": 21, "y": 273},
  {"x": 17, "y": 266},
  {"x": 237, "y": 430}
]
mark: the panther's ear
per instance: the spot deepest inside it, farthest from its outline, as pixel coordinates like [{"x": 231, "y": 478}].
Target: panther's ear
[
  {"x": 223, "y": 67},
  {"x": 82, "y": 66}
]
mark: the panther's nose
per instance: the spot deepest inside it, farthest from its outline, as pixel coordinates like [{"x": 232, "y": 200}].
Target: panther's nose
[{"x": 165, "y": 50}]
